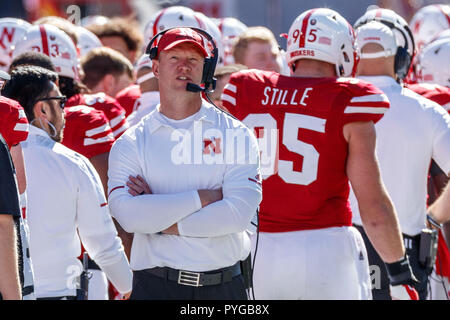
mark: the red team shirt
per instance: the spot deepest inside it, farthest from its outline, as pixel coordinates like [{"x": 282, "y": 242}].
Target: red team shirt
[
  {"x": 434, "y": 92},
  {"x": 305, "y": 182},
  {"x": 110, "y": 107},
  {"x": 13, "y": 122},
  {"x": 87, "y": 131},
  {"x": 128, "y": 98}
]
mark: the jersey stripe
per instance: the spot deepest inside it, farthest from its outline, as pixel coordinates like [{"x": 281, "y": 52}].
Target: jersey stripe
[
  {"x": 355, "y": 109},
  {"x": 230, "y": 99},
  {"x": 117, "y": 120},
  {"x": 230, "y": 87},
  {"x": 21, "y": 127},
  {"x": 90, "y": 141},
  {"x": 120, "y": 130},
  {"x": 370, "y": 98},
  {"x": 104, "y": 128}
]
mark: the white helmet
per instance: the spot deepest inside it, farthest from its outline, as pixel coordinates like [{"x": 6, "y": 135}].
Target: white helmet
[
  {"x": 91, "y": 20},
  {"x": 176, "y": 16},
  {"x": 403, "y": 36},
  {"x": 87, "y": 41},
  {"x": 54, "y": 43},
  {"x": 210, "y": 27},
  {"x": 443, "y": 35},
  {"x": 428, "y": 22},
  {"x": 323, "y": 34},
  {"x": 144, "y": 62},
  {"x": 434, "y": 63},
  {"x": 230, "y": 28},
  {"x": 11, "y": 31}
]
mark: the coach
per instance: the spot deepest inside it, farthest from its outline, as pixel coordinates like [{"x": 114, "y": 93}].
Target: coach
[{"x": 190, "y": 196}]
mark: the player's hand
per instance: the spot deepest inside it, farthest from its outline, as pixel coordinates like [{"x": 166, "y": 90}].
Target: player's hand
[
  {"x": 138, "y": 186},
  {"x": 402, "y": 280},
  {"x": 126, "y": 296},
  {"x": 210, "y": 196}
]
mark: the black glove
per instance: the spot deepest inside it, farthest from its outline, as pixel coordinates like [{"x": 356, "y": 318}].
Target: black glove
[{"x": 402, "y": 280}]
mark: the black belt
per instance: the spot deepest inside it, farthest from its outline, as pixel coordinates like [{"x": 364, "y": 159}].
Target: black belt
[{"x": 197, "y": 279}]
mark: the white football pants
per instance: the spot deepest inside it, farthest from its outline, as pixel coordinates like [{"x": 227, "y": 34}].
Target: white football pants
[
  {"x": 312, "y": 264},
  {"x": 98, "y": 286}
]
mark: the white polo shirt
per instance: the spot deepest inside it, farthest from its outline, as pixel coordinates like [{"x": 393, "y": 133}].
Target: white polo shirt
[
  {"x": 65, "y": 203},
  {"x": 413, "y": 131},
  {"x": 177, "y": 158}
]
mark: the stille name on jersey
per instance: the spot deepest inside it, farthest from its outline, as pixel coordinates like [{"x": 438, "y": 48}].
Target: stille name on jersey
[{"x": 285, "y": 97}]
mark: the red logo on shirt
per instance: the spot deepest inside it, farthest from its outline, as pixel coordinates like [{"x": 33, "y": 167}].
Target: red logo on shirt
[{"x": 214, "y": 146}]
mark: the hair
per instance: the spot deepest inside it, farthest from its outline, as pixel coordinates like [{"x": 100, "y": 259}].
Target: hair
[
  {"x": 70, "y": 87},
  {"x": 228, "y": 69},
  {"x": 102, "y": 61},
  {"x": 126, "y": 28},
  {"x": 29, "y": 84},
  {"x": 259, "y": 33},
  {"x": 65, "y": 25},
  {"x": 32, "y": 58}
]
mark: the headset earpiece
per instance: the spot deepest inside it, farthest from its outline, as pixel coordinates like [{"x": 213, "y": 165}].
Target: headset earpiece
[
  {"x": 153, "y": 53},
  {"x": 402, "y": 62}
]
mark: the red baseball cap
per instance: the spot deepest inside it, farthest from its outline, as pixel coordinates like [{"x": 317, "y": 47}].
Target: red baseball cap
[{"x": 177, "y": 36}]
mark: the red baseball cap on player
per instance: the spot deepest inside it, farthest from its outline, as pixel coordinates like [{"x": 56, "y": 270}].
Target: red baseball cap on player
[{"x": 177, "y": 36}]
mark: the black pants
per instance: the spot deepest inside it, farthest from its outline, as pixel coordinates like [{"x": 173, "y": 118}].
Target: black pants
[
  {"x": 382, "y": 291},
  {"x": 147, "y": 286}
]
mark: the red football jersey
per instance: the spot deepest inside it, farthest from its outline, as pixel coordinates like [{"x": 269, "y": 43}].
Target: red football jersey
[
  {"x": 13, "y": 122},
  {"x": 299, "y": 126},
  {"x": 128, "y": 98},
  {"x": 87, "y": 131},
  {"x": 434, "y": 92},
  {"x": 110, "y": 107}
]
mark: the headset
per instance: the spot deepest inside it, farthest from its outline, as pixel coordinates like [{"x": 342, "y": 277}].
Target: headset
[
  {"x": 403, "y": 59},
  {"x": 209, "y": 65}
]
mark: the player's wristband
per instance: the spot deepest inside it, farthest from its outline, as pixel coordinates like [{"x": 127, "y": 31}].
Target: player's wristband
[
  {"x": 400, "y": 272},
  {"x": 433, "y": 222}
]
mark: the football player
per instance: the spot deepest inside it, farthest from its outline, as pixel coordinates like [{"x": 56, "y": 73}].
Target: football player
[{"x": 316, "y": 133}]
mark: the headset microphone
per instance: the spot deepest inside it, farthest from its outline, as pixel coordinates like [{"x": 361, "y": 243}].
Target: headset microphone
[{"x": 192, "y": 87}]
